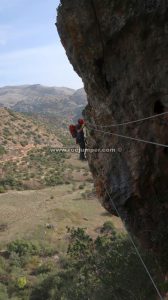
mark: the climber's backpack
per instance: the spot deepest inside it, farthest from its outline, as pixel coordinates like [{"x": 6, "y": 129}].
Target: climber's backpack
[{"x": 73, "y": 131}]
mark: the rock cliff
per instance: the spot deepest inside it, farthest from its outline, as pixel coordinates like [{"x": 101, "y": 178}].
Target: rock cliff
[{"x": 120, "y": 50}]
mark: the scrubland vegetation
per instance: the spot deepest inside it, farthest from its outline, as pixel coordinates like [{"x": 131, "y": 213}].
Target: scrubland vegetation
[{"x": 105, "y": 267}]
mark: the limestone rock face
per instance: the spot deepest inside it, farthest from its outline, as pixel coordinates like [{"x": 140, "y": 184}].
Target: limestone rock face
[{"x": 120, "y": 50}]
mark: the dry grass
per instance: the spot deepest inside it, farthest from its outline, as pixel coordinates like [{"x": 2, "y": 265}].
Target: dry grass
[
  {"x": 44, "y": 214},
  {"x": 27, "y": 213}
]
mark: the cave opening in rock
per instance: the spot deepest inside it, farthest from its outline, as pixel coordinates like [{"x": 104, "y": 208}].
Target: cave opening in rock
[{"x": 158, "y": 107}]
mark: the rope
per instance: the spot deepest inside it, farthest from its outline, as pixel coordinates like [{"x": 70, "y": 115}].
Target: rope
[
  {"x": 130, "y": 122},
  {"x": 113, "y": 204},
  {"x": 140, "y": 140},
  {"x": 135, "y": 247},
  {"x": 130, "y": 138}
]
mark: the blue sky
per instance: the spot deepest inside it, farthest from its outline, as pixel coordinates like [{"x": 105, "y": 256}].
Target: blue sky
[{"x": 30, "y": 48}]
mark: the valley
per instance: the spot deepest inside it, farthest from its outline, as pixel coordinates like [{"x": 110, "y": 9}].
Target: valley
[{"x": 49, "y": 212}]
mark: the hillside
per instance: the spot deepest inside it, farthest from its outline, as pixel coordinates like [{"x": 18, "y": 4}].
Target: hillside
[
  {"x": 18, "y": 131},
  {"x": 24, "y": 151},
  {"x": 46, "y": 101},
  {"x": 30, "y": 170},
  {"x": 27, "y": 160}
]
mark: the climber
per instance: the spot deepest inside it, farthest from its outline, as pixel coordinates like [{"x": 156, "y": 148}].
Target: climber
[
  {"x": 78, "y": 133},
  {"x": 80, "y": 139}
]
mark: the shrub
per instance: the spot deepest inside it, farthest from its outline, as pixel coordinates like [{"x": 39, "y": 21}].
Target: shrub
[
  {"x": 2, "y": 189},
  {"x": 3, "y": 292},
  {"x": 67, "y": 182},
  {"x": 44, "y": 269},
  {"x": 6, "y": 132},
  {"x": 108, "y": 227},
  {"x": 15, "y": 260},
  {"x": 99, "y": 269},
  {"x": 12, "y": 114},
  {"x": 82, "y": 186},
  {"x": 53, "y": 180},
  {"x": 22, "y": 247},
  {"x": 37, "y": 141},
  {"x": 10, "y": 181},
  {"x": 47, "y": 250},
  {"x": 2, "y": 150},
  {"x": 3, "y": 227},
  {"x": 3, "y": 266},
  {"x": 23, "y": 143},
  {"x": 21, "y": 282}
]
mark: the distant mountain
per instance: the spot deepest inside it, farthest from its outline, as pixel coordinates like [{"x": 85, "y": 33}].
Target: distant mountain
[
  {"x": 79, "y": 97},
  {"x": 11, "y": 95},
  {"x": 38, "y": 99}
]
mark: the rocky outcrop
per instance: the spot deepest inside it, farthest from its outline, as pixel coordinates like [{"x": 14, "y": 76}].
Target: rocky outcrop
[{"x": 120, "y": 50}]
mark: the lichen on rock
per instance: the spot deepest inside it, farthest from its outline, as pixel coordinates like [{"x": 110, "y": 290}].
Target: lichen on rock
[{"x": 120, "y": 50}]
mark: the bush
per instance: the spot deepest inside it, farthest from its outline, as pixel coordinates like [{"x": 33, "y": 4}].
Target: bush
[
  {"x": 108, "y": 227},
  {"x": 22, "y": 247},
  {"x": 47, "y": 288},
  {"x": 15, "y": 260},
  {"x": 3, "y": 266},
  {"x": 21, "y": 282},
  {"x": 2, "y": 189},
  {"x": 82, "y": 186},
  {"x": 3, "y": 227},
  {"x": 47, "y": 250},
  {"x": 23, "y": 143},
  {"x": 11, "y": 182},
  {"x": 53, "y": 180},
  {"x": 6, "y": 132},
  {"x": 99, "y": 269},
  {"x": 44, "y": 269},
  {"x": 37, "y": 141},
  {"x": 3, "y": 292},
  {"x": 5, "y": 142},
  {"x": 2, "y": 150}
]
